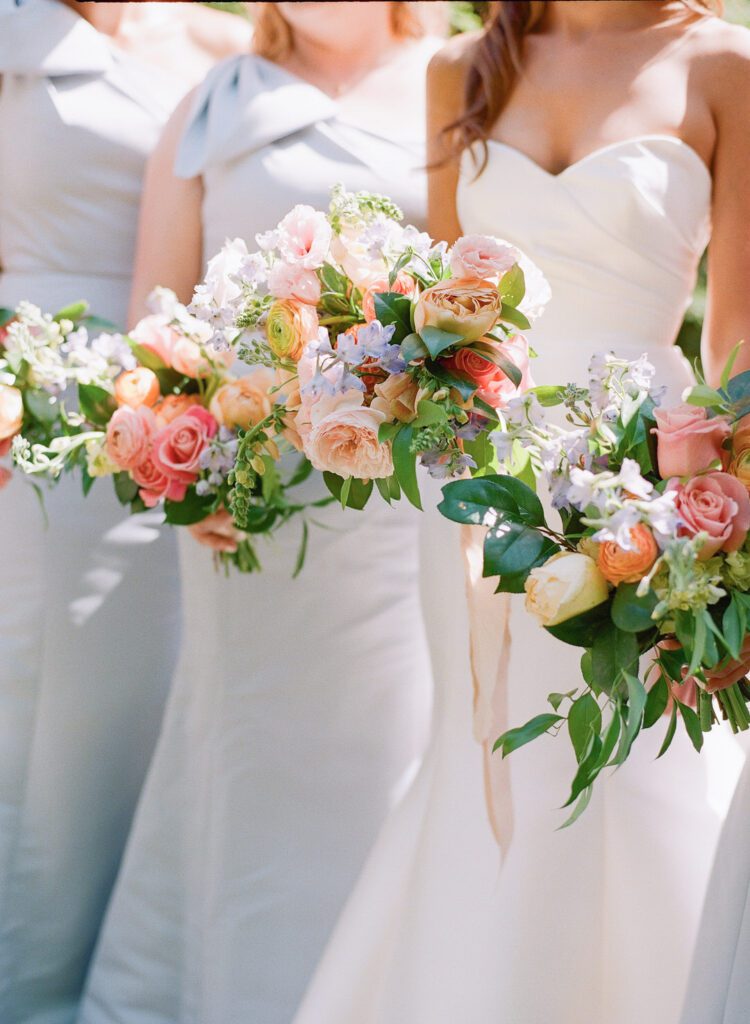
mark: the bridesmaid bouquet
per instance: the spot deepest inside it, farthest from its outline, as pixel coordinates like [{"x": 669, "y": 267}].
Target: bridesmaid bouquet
[
  {"x": 649, "y": 571},
  {"x": 157, "y": 411},
  {"x": 389, "y": 350}
]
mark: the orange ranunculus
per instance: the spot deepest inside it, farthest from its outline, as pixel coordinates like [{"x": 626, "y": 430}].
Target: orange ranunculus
[
  {"x": 137, "y": 387},
  {"x": 620, "y": 566}
]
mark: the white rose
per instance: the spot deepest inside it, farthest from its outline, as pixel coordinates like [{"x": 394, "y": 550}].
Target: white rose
[{"x": 568, "y": 584}]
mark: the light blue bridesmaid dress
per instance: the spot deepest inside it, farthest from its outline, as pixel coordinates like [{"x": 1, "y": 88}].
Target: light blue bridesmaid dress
[{"x": 88, "y": 604}]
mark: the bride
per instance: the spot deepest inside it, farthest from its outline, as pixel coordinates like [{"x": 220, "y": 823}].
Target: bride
[{"x": 603, "y": 139}]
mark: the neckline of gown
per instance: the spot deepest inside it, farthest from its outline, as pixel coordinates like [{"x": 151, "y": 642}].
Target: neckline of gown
[{"x": 602, "y": 151}]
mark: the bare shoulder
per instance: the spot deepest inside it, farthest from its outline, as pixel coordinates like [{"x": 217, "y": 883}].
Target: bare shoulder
[
  {"x": 451, "y": 62},
  {"x": 217, "y": 32},
  {"x": 721, "y": 57}
]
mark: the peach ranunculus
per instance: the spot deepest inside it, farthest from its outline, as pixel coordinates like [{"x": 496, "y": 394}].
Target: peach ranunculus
[
  {"x": 291, "y": 281},
  {"x": 467, "y": 308},
  {"x": 304, "y": 237},
  {"x": 716, "y": 504},
  {"x": 177, "y": 448},
  {"x": 243, "y": 403},
  {"x": 11, "y": 411},
  {"x": 620, "y": 566},
  {"x": 343, "y": 438},
  {"x": 289, "y": 328},
  {"x": 739, "y": 464},
  {"x": 137, "y": 387},
  {"x": 688, "y": 442},
  {"x": 403, "y": 285},
  {"x": 155, "y": 334},
  {"x": 482, "y": 257},
  {"x": 129, "y": 434},
  {"x": 172, "y": 406},
  {"x": 397, "y": 397},
  {"x": 154, "y": 484}
]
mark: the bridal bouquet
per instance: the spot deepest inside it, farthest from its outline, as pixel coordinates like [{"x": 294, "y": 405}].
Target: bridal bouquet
[
  {"x": 389, "y": 349},
  {"x": 157, "y": 411},
  {"x": 649, "y": 568}
]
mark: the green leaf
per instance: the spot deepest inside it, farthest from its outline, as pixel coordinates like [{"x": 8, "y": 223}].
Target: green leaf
[
  {"x": 612, "y": 653},
  {"x": 516, "y": 738},
  {"x": 41, "y": 405},
  {"x": 512, "y": 549},
  {"x": 637, "y": 698},
  {"x": 656, "y": 702},
  {"x": 87, "y": 480},
  {"x": 192, "y": 509},
  {"x": 465, "y": 388},
  {"x": 301, "y": 554},
  {"x": 589, "y": 767},
  {"x": 72, "y": 312},
  {"x": 556, "y": 699},
  {"x": 734, "y": 626},
  {"x": 469, "y": 501},
  {"x": 631, "y": 613},
  {"x": 332, "y": 280},
  {"x": 498, "y": 357},
  {"x": 259, "y": 519},
  {"x": 482, "y": 451},
  {"x": 611, "y": 735},
  {"x": 582, "y": 630},
  {"x": 146, "y": 357},
  {"x": 729, "y": 366},
  {"x": 704, "y": 396},
  {"x": 429, "y": 413},
  {"x": 405, "y": 465},
  {"x": 302, "y": 471},
  {"x": 6, "y": 315},
  {"x": 351, "y": 493},
  {"x": 692, "y": 725},
  {"x": 738, "y": 391},
  {"x": 126, "y": 488},
  {"x": 584, "y": 718},
  {"x": 514, "y": 316},
  {"x": 98, "y": 325},
  {"x": 512, "y": 287},
  {"x": 96, "y": 404},
  {"x": 394, "y": 308},
  {"x": 582, "y": 803},
  {"x": 438, "y": 341},
  {"x": 548, "y": 395},
  {"x": 383, "y": 489},
  {"x": 413, "y": 348},
  {"x": 387, "y": 431},
  {"x": 671, "y": 729}
]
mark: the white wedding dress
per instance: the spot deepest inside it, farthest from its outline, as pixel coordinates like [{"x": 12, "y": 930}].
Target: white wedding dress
[
  {"x": 300, "y": 705},
  {"x": 89, "y": 604},
  {"x": 597, "y": 922}
]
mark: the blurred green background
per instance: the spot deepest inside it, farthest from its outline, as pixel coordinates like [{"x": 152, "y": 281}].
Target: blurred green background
[{"x": 465, "y": 16}]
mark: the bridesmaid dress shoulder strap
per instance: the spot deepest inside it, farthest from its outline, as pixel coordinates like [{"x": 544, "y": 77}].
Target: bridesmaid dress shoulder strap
[
  {"x": 47, "y": 39},
  {"x": 245, "y": 103}
]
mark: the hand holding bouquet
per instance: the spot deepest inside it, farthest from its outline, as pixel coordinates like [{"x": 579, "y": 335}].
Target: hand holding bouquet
[{"x": 649, "y": 569}]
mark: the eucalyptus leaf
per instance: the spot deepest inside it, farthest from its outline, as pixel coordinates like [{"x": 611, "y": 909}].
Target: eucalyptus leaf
[{"x": 96, "y": 404}]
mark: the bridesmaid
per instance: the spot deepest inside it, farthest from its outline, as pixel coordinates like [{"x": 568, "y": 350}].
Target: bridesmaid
[
  {"x": 298, "y": 706},
  {"x": 88, "y": 606}
]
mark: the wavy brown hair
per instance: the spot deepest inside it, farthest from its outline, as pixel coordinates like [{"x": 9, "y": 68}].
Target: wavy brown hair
[
  {"x": 272, "y": 33},
  {"x": 496, "y": 64}
]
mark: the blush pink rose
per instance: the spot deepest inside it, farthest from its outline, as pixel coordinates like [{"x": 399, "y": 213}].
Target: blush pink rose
[
  {"x": 189, "y": 358},
  {"x": 716, "y": 504},
  {"x": 482, "y": 257},
  {"x": 155, "y": 335},
  {"x": 154, "y": 484},
  {"x": 177, "y": 448},
  {"x": 688, "y": 441},
  {"x": 305, "y": 237},
  {"x": 291, "y": 281},
  {"x": 129, "y": 434},
  {"x": 343, "y": 438}
]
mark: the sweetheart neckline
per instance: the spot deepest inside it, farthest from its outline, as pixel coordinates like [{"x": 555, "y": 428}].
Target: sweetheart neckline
[{"x": 603, "y": 150}]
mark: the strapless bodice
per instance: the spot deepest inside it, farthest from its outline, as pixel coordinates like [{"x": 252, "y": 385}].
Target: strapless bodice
[{"x": 618, "y": 234}]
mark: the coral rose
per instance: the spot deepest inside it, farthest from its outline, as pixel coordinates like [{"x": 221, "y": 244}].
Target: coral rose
[
  {"x": 172, "y": 406},
  {"x": 245, "y": 402},
  {"x": 567, "y": 585},
  {"x": 467, "y": 308},
  {"x": 482, "y": 257},
  {"x": 177, "y": 448},
  {"x": 11, "y": 411},
  {"x": 403, "y": 285},
  {"x": 343, "y": 438},
  {"x": 137, "y": 387},
  {"x": 620, "y": 566},
  {"x": 289, "y": 327},
  {"x": 493, "y": 386},
  {"x": 154, "y": 485},
  {"x": 739, "y": 465},
  {"x": 716, "y": 504},
  {"x": 688, "y": 442},
  {"x": 129, "y": 434}
]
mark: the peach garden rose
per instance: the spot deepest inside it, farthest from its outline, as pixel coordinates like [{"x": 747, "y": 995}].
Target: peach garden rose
[
  {"x": 467, "y": 308},
  {"x": 343, "y": 438},
  {"x": 243, "y": 403}
]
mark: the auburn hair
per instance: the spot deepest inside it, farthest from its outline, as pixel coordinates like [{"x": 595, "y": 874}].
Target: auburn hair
[
  {"x": 272, "y": 33},
  {"x": 496, "y": 63}
]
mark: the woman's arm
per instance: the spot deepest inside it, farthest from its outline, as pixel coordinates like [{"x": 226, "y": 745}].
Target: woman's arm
[
  {"x": 446, "y": 76},
  {"x": 728, "y": 313},
  {"x": 170, "y": 240}
]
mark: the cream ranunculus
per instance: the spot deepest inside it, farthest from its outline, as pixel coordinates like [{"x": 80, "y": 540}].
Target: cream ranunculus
[
  {"x": 343, "y": 438},
  {"x": 245, "y": 402},
  {"x": 569, "y": 584},
  {"x": 468, "y": 308},
  {"x": 11, "y": 411}
]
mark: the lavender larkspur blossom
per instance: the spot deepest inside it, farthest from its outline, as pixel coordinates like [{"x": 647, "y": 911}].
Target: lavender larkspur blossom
[{"x": 444, "y": 464}]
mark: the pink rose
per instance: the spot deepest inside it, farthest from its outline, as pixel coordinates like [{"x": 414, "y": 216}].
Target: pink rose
[
  {"x": 155, "y": 485},
  {"x": 716, "y": 504},
  {"x": 482, "y": 257},
  {"x": 305, "y": 237},
  {"x": 688, "y": 441},
  {"x": 155, "y": 335},
  {"x": 291, "y": 281},
  {"x": 343, "y": 438},
  {"x": 129, "y": 434},
  {"x": 177, "y": 448}
]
